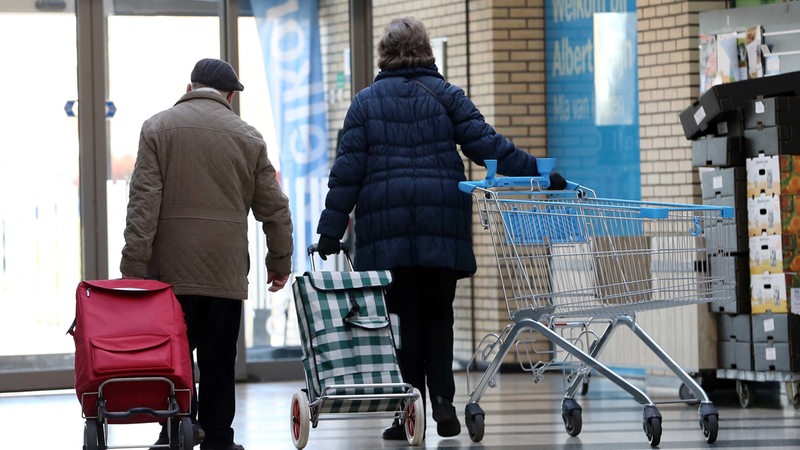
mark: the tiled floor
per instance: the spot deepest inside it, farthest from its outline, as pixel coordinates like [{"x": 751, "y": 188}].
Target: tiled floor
[{"x": 520, "y": 414}]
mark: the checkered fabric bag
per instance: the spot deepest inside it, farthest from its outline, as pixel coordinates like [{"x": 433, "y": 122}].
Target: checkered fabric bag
[{"x": 347, "y": 338}]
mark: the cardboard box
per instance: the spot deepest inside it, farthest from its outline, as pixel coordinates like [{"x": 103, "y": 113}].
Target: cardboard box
[
  {"x": 728, "y": 237},
  {"x": 722, "y": 182},
  {"x": 790, "y": 252},
  {"x": 774, "y": 253},
  {"x": 736, "y": 273},
  {"x": 735, "y": 355},
  {"x": 775, "y": 357},
  {"x": 776, "y": 327},
  {"x": 790, "y": 213},
  {"x": 770, "y": 112},
  {"x": 763, "y": 215},
  {"x": 789, "y": 166},
  {"x": 727, "y": 97},
  {"x": 773, "y": 214},
  {"x": 735, "y": 327},
  {"x": 766, "y": 254},
  {"x": 774, "y": 292},
  {"x": 779, "y": 140},
  {"x": 722, "y": 151},
  {"x": 763, "y": 174}
]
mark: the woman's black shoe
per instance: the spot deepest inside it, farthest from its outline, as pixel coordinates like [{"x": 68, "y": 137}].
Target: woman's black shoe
[
  {"x": 444, "y": 414},
  {"x": 396, "y": 432}
]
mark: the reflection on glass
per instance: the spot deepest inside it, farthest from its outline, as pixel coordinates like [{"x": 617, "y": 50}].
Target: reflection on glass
[
  {"x": 39, "y": 211},
  {"x": 615, "y": 68},
  {"x": 270, "y": 321}
]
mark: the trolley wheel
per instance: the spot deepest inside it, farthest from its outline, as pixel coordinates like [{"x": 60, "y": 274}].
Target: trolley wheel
[
  {"x": 571, "y": 414},
  {"x": 175, "y": 434},
  {"x": 710, "y": 426},
  {"x": 300, "y": 419},
  {"x": 474, "y": 418},
  {"x": 414, "y": 422},
  {"x": 745, "y": 393},
  {"x": 90, "y": 441},
  {"x": 185, "y": 436},
  {"x": 652, "y": 428},
  {"x": 793, "y": 392}
]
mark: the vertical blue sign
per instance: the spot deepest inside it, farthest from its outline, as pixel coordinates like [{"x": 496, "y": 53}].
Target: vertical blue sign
[
  {"x": 289, "y": 33},
  {"x": 593, "y": 95}
]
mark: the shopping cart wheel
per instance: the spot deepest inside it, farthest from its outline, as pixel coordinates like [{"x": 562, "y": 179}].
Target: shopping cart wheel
[
  {"x": 572, "y": 415},
  {"x": 414, "y": 422},
  {"x": 300, "y": 419},
  {"x": 652, "y": 425},
  {"x": 745, "y": 393},
  {"x": 90, "y": 436},
  {"x": 710, "y": 425},
  {"x": 474, "y": 417}
]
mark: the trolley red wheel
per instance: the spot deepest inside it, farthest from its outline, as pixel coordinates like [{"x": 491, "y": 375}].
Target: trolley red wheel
[
  {"x": 414, "y": 422},
  {"x": 300, "y": 419}
]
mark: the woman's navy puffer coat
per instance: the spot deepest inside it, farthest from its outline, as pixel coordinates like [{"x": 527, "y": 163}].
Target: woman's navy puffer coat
[{"x": 397, "y": 164}]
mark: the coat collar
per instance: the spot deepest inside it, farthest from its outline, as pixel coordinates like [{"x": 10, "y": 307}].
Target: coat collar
[
  {"x": 210, "y": 95},
  {"x": 410, "y": 72}
]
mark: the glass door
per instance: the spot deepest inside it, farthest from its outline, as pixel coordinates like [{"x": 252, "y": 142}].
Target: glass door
[
  {"x": 147, "y": 73},
  {"x": 40, "y": 253}
]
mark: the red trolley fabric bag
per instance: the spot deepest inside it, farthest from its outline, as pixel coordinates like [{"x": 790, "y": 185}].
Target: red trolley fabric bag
[{"x": 130, "y": 331}]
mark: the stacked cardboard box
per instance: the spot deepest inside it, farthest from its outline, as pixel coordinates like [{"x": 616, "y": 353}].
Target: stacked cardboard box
[
  {"x": 772, "y": 150},
  {"x": 754, "y": 125},
  {"x": 720, "y": 158},
  {"x": 719, "y": 155}
]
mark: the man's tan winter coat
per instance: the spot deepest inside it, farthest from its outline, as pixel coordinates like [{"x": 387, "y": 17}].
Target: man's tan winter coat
[{"x": 199, "y": 171}]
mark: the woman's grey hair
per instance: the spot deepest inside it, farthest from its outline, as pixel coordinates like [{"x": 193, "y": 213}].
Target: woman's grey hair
[{"x": 405, "y": 43}]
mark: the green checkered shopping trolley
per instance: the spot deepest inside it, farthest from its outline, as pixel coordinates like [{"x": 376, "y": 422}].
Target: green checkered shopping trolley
[{"x": 349, "y": 354}]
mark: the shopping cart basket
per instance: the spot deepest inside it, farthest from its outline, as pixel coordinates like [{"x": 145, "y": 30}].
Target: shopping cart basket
[
  {"x": 569, "y": 259},
  {"x": 349, "y": 357}
]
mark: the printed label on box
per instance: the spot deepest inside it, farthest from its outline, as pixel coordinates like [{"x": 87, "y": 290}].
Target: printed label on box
[
  {"x": 699, "y": 115},
  {"x": 769, "y": 325},
  {"x": 770, "y": 353},
  {"x": 795, "y": 295}
]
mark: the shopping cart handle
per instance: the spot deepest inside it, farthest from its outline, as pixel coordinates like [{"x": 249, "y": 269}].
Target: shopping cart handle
[{"x": 546, "y": 166}]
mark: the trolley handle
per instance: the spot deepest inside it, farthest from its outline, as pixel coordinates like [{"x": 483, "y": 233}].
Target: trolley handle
[
  {"x": 542, "y": 182},
  {"x": 314, "y": 248}
]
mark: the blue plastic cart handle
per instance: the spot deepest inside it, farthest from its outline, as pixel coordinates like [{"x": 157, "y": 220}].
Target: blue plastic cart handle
[{"x": 546, "y": 166}]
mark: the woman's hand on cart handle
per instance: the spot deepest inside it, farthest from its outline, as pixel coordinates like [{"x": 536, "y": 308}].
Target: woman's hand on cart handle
[
  {"x": 328, "y": 246},
  {"x": 557, "y": 182}
]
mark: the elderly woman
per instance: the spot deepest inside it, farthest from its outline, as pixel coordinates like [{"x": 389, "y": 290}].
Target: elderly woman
[{"x": 399, "y": 166}]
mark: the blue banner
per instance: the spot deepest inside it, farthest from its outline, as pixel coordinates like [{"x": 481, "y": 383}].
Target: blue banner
[
  {"x": 289, "y": 34},
  {"x": 593, "y": 95}
]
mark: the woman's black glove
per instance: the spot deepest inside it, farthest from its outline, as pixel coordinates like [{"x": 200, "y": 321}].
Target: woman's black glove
[
  {"x": 327, "y": 246},
  {"x": 557, "y": 182}
]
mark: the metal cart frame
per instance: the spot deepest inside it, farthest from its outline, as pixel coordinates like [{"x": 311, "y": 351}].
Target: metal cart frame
[{"x": 569, "y": 259}]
